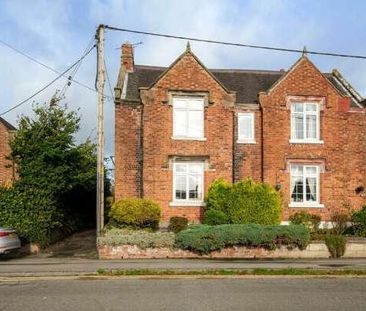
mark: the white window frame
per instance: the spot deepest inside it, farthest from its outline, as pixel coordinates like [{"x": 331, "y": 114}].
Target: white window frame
[
  {"x": 304, "y": 113},
  {"x": 244, "y": 140},
  {"x": 201, "y": 108},
  {"x": 304, "y": 176},
  {"x": 188, "y": 201}
]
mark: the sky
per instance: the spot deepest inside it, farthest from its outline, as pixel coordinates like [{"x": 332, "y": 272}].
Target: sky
[{"x": 57, "y": 33}]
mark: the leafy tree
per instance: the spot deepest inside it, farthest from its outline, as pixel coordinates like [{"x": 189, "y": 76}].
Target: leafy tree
[{"x": 52, "y": 169}]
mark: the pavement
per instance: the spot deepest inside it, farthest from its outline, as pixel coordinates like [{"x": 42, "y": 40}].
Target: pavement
[{"x": 69, "y": 266}]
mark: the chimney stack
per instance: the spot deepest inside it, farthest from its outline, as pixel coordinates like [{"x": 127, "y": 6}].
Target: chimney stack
[{"x": 127, "y": 57}]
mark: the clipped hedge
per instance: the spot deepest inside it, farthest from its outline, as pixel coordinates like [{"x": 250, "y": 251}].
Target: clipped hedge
[
  {"x": 141, "y": 238},
  {"x": 136, "y": 213},
  {"x": 245, "y": 202},
  {"x": 177, "y": 224},
  {"x": 32, "y": 212},
  {"x": 359, "y": 222},
  {"x": 205, "y": 239}
]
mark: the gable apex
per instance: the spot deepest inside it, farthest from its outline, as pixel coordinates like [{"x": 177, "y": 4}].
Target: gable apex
[
  {"x": 188, "y": 52},
  {"x": 302, "y": 59}
]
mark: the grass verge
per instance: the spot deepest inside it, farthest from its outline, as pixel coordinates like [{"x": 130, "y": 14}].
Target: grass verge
[{"x": 233, "y": 272}]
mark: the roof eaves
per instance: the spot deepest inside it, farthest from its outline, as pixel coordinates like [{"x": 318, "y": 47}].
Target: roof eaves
[{"x": 9, "y": 126}]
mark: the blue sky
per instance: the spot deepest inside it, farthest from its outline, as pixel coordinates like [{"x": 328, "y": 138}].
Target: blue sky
[{"x": 57, "y": 32}]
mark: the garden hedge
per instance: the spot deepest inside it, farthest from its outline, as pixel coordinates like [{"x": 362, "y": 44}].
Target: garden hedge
[
  {"x": 244, "y": 202},
  {"x": 205, "y": 239}
]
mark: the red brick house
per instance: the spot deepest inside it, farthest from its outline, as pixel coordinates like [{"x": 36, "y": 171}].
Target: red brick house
[
  {"x": 6, "y": 131},
  {"x": 180, "y": 128}
]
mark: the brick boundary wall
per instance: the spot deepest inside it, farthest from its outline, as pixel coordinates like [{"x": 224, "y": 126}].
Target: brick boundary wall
[{"x": 354, "y": 249}]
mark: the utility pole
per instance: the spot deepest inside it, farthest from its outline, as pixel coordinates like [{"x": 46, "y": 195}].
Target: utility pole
[{"x": 100, "y": 134}]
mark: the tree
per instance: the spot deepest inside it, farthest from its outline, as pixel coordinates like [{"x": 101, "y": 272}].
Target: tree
[{"x": 51, "y": 166}]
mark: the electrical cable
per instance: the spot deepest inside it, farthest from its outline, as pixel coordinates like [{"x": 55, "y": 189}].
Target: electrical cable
[
  {"x": 234, "y": 44},
  {"x": 48, "y": 84},
  {"x": 50, "y": 68}
]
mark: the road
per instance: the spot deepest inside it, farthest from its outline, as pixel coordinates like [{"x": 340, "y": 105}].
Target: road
[{"x": 186, "y": 294}]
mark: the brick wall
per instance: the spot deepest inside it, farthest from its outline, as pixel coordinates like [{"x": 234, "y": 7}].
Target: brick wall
[
  {"x": 6, "y": 174},
  {"x": 186, "y": 75},
  {"x": 144, "y": 145},
  {"x": 341, "y": 154}
]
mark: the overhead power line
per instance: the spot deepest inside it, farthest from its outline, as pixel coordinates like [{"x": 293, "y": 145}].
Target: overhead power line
[
  {"x": 263, "y": 47},
  {"x": 48, "y": 84},
  {"x": 50, "y": 68}
]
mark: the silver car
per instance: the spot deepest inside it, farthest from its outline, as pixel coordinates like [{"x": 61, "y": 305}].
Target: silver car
[{"x": 9, "y": 240}]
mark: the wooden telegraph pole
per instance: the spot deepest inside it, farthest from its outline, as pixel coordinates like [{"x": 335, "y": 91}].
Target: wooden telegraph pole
[{"x": 100, "y": 134}]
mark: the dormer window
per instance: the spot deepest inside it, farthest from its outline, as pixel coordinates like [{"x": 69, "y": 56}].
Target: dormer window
[
  {"x": 305, "y": 123},
  {"x": 188, "y": 117}
]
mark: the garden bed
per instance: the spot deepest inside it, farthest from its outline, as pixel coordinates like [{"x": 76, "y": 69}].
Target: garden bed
[{"x": 354, "y": 249}]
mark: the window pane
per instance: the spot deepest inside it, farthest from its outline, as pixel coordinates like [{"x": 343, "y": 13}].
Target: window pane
[
  {"x": 195, "y": 104},
  {"x": 180, "y": 168},
  {"x": 310, "y": 107},
  {"x": 246, "y": 127},
  {"x": 195, "y": 169},
  {"x": 297, "y": 170},
  {"x": 195, "y": 124},
  {"x": 297, "y": 189},
  {"x": 179, "y": 103},
  {"x": 298, "y": 107},
  {"x": 311, "y": 170},
  {"x": 180, "y": 187},
  {"x": 298, "y": 126},
  {"x": 311, "y": 126},
  {"x": 195, "y": 186},
  {"x": 180, "y": 123},
  {"x": 311, "y": 189}
]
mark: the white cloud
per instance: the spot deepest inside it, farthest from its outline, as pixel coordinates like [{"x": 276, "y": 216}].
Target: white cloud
[{"x": 56, "y": 32}]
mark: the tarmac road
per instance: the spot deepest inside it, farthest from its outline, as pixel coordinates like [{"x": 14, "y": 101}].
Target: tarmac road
[{"x": 258, "y": 293}]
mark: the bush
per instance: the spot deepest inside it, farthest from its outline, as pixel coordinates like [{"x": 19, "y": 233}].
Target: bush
[
  {"x": 205, "y": 239},
  {"x": 359, "y": 222},
  {"x": 311, "y": 221},
  {"x": 141, "y": 238},
  {"x": 33, "y": 213},
  {"x": 243, "y": 203},
  {"x": 336, "y": 245},
  {"x": 214, "y": 217},
  {"x": 340, "y": 222},
  {"x": 136, "y": 213},
  {"x": 177, "y": 224}
]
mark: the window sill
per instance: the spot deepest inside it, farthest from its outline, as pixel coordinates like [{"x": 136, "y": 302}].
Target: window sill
[
  {"x": 190, "y": 138},
  {"x": 296, "y": 141},
  {"x": 249, "y": 142},
  {"x": 186, "y": 204},
  {"x": 306, "y": 205}
]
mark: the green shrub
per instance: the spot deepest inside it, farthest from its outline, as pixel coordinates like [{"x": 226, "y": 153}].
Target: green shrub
[
  {"x": 136, "y": 213},
  {"x": 205, "y": 239},
  {"x": 141, "y": 238},
  {"x": 340, "y": 222},
  {"x": 32, "y": 212},
  {"x": 177, "y": 224},
  {"x": 336, "y": 245},
  {"x": 359, "y": 222},
  {"x": 311, "y": 221},
  {"x": 218, "y": 194},
  {"x": 244, "y": 202},
  {"x": 214, "y": 217}
]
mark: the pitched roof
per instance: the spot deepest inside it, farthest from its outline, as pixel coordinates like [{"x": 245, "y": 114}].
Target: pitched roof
[
  {"x": 246, "y": 83},
  {"x": 7, "y": 124}
]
